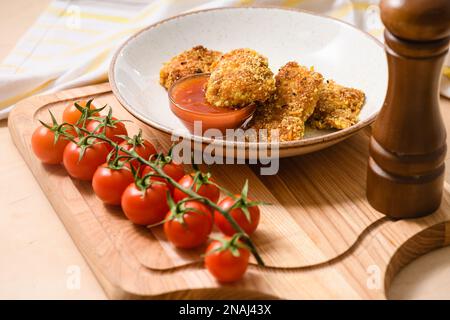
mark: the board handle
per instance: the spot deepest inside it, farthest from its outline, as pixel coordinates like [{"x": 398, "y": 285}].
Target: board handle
[{"x": 405, "y": 175}]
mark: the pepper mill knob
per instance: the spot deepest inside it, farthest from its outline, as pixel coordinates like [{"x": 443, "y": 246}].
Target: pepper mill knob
[
  {"x": 419, "y": 20},
  {"x": 405, "y": 175}
]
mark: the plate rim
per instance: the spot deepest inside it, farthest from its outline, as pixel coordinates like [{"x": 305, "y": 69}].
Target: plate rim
[{"x": 333, "y": 136}]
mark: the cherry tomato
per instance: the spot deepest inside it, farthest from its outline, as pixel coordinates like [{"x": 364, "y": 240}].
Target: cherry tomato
[
  {"x": 209, "y": 191},
  {"x": 173, "y": 170},
  {"x": 45, "y": 148},
  {"x": 84, "y": 168},
  {"x": 223, "y": 265},
  {"x": 248, "y": 226},
  {"x": 109, "y": 184},
  {"x": 145, "y": 208},
  {"x": 112, "y": 132},
  {"x": 71, "y": 114},
  {"x": 195, "y": 229},
  {"x": 145, "y": 150}
]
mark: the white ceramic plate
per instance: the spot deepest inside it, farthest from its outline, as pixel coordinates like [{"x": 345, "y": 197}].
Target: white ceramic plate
[{"x": 335, "y": 49}]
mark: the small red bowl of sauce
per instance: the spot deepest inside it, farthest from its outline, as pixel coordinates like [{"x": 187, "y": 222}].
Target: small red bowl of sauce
[{"x": 188, "y": 102}]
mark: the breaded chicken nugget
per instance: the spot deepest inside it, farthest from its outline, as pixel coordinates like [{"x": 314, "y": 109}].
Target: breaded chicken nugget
[
  {"x": 338, "y": 107},
  {"x": 298, "y": 88},
  {"x": 241, "y": 77},
  {"x": 274, "y": 116},
  {"x": 196, "y": 60},
  {"x": 297, "y": 93}
]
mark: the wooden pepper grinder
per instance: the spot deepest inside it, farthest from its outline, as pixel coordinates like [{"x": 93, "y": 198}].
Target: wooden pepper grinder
[{"x": 408, "y": 146}]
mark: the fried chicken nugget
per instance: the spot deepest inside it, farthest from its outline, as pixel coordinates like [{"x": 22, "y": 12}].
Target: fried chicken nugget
[
  {"x": 196, "y": 60},
  {"x": 297, "y": 93},
  {"x": 241, "y": 77},
  {"x": 338, "y": 107}
]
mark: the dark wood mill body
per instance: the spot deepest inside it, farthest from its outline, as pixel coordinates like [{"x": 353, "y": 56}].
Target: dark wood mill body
[{"x": 405, "y": 175}]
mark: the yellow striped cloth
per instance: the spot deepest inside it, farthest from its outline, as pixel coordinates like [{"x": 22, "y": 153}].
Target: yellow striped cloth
[{"x": 72, "y": 42}]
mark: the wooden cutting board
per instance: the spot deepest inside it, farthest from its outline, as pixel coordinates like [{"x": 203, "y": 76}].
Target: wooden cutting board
[{"x": 319, "y": 238}]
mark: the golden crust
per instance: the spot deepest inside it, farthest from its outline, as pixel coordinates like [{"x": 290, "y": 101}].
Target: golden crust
[
  {"x": 239, "y": 78},
  {"x": 196, "y": 60},
  {"x": 338, "y": 107},
  {"x": 296, "y": 96}
]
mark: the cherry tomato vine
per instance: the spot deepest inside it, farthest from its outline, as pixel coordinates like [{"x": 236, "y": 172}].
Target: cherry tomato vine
[{"x": 92, "y": 131}]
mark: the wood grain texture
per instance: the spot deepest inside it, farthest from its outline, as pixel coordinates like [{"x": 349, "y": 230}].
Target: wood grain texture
[{"x": 319, "y": 238}]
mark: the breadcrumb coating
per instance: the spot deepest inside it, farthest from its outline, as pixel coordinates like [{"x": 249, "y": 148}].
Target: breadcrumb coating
[
  {"x": 297, "y": 93},
  {"x": 196, "y": 60},
  {"x": 241, "y": 77},
  {"x": 338, "y": 107}
]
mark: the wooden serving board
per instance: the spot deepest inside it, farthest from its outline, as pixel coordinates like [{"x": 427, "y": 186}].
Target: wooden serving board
[{"x": 319, "y": 238}]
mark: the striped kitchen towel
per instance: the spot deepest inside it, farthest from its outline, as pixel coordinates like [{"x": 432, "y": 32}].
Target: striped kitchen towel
[{"x": 72, "y": 42}]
